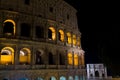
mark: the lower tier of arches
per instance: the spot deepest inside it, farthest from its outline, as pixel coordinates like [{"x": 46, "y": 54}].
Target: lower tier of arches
[{"x": 50, "y": 74}]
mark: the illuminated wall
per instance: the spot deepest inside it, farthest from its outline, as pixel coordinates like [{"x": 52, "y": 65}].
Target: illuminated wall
[
  {"x": 24, "y": 56},
  {"x": 52, "y": 33},
  {"x": 70, "y": 59},
  {"x": 69, "y": 39},
  {"x": 76, "y": 59},
  {"x": 61, "y": 35},
  {"x": 74, "y": 40},
  {"x": 7, "y": 56}
]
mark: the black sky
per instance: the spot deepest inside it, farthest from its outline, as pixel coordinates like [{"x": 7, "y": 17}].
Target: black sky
[{"x": 99, "y": 24}]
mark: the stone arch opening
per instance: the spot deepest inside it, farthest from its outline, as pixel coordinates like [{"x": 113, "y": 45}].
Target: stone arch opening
[
  {"x": 39, "y": 32},
  {"x": 51, "y": 33},
  {"x": 51, "y": 59},
  {"x": 74, "y": 40},
  {"x": 76, "y": 77},
  {"x": 25, "y": 56},
  {"x": 103, "y": 75},
  {"x": 96, "y": 74},
  {"x": 39, "y": 78},
  {"x": 76, "y": 59},
  {"x": 23, "y": 79},
  {"x": 70, "y": 59},
  {"x": 25, "y": 30},
  {"x": 62, "y": 78},
  {"x": 7, "y": 55},
  {"x": 61, "y": 35},
  {"x": 69, "y": 39},
  {"x": 91, "y": 75},
  {"x": 9, "y": 27},
  {"x": 52, "y": 78},
  {"x": 70, "y": 78},
  {"x": 61, "y": 59},
  {"x": 39, "y": 59}
]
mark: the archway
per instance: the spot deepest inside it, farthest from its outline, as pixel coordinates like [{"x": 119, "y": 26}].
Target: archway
[
  {"x": 61, "y": 35},
  {"x": 9, "y": 27},
  {"x": 62, "y": 78},
  {"x": 76, "y": 78},
  {"x": 24, "y": 56},
  {"x": 51, "y": 60},
  {"x": 51, "y": 33},
  {"x": 70, "y": 59},
  {"x": 39, "y": 78},
  {"x": 52, "y": 78},
  {"x": 76, "y": 59},
  {"x": 23, "y": 79},
  {"x": 74, "y": 40},
  {"x": 7, "y": 56},
  {"x": 96, "y": 74},
  {"x": 70, "y": 78},
  {"x": 69, "y": 39},
  {"x": 39, "y": 57}
]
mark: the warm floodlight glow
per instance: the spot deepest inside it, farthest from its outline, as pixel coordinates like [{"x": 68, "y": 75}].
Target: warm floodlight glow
[
  {"x": 74, "y": 40},
  {"x": 53, "y": 33},
  {"x": 7, "y": 55},
  {"x": 61, "y": 35},
  {"x": 69, "y": 38},
  {"x": 70, "y": 59},
  {"x": 75, "y": 59},
  {"x": 24, "y": 56}
]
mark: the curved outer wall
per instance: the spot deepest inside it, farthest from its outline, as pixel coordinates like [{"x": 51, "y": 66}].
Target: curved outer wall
[{"x": 36, "y": 38}]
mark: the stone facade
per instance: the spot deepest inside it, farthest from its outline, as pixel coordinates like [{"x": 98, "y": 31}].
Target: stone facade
[
  {"x": 96, "y": 72},
  {"x": 40, "y": 39}
]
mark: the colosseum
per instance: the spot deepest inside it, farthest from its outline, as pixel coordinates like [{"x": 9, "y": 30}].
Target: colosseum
[{"x": 40, "y": 40}]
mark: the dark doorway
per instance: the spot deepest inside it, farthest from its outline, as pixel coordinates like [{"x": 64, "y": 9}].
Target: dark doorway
[
  {"x": 8, "y": 28},
  {"x": 51, "y": 59},
  {"x": 96, "y": 74},
  {"x": 38, "y": 58}
]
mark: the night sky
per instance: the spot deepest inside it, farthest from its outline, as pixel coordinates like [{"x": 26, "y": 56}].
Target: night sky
[{"x": 99, "y": 23}]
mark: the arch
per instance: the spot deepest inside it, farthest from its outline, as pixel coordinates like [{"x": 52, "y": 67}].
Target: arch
[
  {"x": 70, "y": 78},
  {"x": 76, "y": 77},
  {"x": 25, "y": 56},
  {"x": 23, "y": 79},
  {"x": 39, "y": 57},
  {"x": 69, "y": 38},
  {"x": 76, "y": 59},
  {"x": 9, "y": 27},
  {"x": 103, "y": 75},
  {"x": 62, "y": 78},
  {"x": 96, "y": 74},
  {"x": 25, "y": 30},
  {"x": 61, "y": 59},
  {"x": 78, "y": 41},
  {"x": 74, "y": 40},
  {"x": 51, "y": 60},
  {"x": 39, "y": 32},
  {"x": 51, "y": 33},
  {"x": 52, "y": 78},
  {"x": 39, "y": 78},
  {"x": 91, "y": 75},
  {"x": 61, "y": 35},
  {"x": 70, "y": 59},
  {"x": 7, "y": 55}
]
